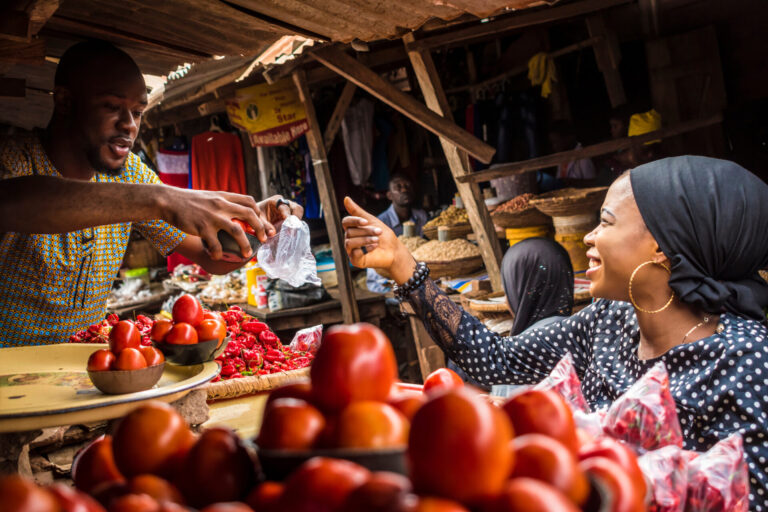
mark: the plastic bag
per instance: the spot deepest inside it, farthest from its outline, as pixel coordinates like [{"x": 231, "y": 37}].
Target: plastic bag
[
  {"x": 590, "y": 423},
  {"x": 718, "y": 480},
  {"x": 645, "y": 416},
  {"x": 666, "y": 471},
  {"x": 307, "y": 340},
  {"x": 287, "y": 255},
  {"x": 565, "y": 381}
]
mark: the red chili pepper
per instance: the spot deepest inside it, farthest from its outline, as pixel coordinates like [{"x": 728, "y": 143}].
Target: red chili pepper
[{"x": 254, "y": 327}]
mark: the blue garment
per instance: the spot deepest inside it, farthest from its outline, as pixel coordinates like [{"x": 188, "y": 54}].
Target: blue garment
[{"x": 374, "y": 281}]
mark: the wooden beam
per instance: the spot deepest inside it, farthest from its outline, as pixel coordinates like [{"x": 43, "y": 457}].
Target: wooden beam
[
  {"x": 16, "y": 52},
  {"x": 13, "y": 87},
  {"x": 479, "y": 218},
  {"x": 409, "y": 106},
  {"x": 515, "y": 22},
  {"x": 338, "y": 113},
  {"x": 608, "y": 56},
  {"x": 328, "y": 200},
  {"x": 189, "y": 112},
  {"x": 603, "y": 148},
  {"x": 14, "y": 25},
  {"x": 40, "y": 11}
]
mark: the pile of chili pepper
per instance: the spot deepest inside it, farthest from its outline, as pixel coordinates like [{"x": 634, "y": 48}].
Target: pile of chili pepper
[
  {"x": 254, "y": 349},
  {"x": 99, "y": 333}
]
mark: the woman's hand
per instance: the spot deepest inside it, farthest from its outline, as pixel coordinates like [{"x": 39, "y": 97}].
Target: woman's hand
[{"x": 382, "y": 248}]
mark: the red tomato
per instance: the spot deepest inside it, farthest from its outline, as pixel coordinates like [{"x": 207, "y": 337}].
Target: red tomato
[
  {"x": 232, "y": 506},
  {"x": 290, "y": 424},
  {"x": 529, "y": 495},
  {"x": 246, "y": 227},
  {"x": 217, "y": 469},
  {"x": 407, "y": 403},
  {"x": 182, "y": 334},
  {"x": 95, "y": 465},
  {"x": 124, "y": 335},
  {"x": 160, "y": 330},
  {"x": 22, "y": 495},
  {"x": 153, "y": 438},
  {"x": 211, "y": 315},
  {"x": 107, "y": 492},
  {"x": 152, "y": 356},
  {"x": 72, "y": 500},
  {"x": 369, "y": 424},
  {"x": 621, "y": 454},
  {"x": 440, "y": 379},
  {"x": 188, "y": 310},
  {"x": 535, "y": 411},
  {"x": 130, "y": 359},
  {"x": 354, "y": 362},
  {"x": 382, "y": 492},
  {"x": 321, "y": 485},
  {"x": 266, "y": 497},
  {"x": 458, "y": 447},
  {"x": 548, "y": 460},
  {"x": 301, "y": 390},
  {"x": 431, "y": 504},
  {"x": 620, "y": 492},
  {"x": 156, "y": 487},
  {"x": 101, "y": 360},
  {"x": 211, "y": 330},
  {"x": 134, "y": 503}
]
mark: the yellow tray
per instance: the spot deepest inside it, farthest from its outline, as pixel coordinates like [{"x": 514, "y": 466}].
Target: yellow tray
[{"x": 47, "y": 386}]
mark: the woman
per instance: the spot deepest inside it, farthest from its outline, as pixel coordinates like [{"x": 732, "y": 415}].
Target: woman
[{"x": 674, "y": 263}]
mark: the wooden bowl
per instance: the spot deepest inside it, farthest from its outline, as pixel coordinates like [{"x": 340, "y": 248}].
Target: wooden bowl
[
  {"x": 278, "y": 464},
  {"x": 197, "y": 353},
  {"x": 118, "y": 382},
  {"x": 570, "y": 201}
]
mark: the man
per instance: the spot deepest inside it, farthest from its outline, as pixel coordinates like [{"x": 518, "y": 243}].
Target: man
[
  {"x": 70, "y": 195},
  {"x": 401, "y": 210}
]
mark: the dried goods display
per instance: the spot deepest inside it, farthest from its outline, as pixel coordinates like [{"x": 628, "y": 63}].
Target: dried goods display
[
  {"x": 412, "y": 242},
  {"x": 434, "y": 250},
  {"x": 448, "y": 217},
  {"x": 515, "y": 204}
]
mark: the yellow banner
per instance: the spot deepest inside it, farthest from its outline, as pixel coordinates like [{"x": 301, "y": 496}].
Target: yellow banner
[{"x": 271, "y": 114}]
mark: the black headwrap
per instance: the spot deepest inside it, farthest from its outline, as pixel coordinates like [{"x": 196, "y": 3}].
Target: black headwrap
[
  {"x": 710, "y": 218},
  {"x": 538, "y": 281}
]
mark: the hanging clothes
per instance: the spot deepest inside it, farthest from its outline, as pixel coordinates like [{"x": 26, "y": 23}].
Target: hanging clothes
[
  {"x": 173, "y": 167},
  {"x": 217, "y": 162},
  {"x": 380, "y": 158},
  {"x": 357, "y": 132}
]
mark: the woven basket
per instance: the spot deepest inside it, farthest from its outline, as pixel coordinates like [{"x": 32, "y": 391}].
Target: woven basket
[
  {"x": 454, "y": 268},
  {"x": 570, "y": 201},
  {"x": 485, "y": 306},
  {"x": 255, "y": 384},
  {"x": 455, "y": 231},
  {"x": 530, "y": 216}
]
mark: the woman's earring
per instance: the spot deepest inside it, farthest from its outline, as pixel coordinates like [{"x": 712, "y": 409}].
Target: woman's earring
[{"x": 632, "y": 278}]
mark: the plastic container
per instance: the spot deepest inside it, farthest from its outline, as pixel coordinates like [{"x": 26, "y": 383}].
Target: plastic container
[
  {"x": 577, "y": 250},
  {"x": 572, "y": 224},
  {"x": 515, "y": 235},
  {"x": 256, "y": 281}
]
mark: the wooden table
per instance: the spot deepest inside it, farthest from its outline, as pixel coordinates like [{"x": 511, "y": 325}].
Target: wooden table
[{"x": 371, "y": 306}]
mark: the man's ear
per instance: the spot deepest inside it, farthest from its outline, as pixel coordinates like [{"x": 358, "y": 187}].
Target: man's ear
[
  {"x": 389, "y": 195},
  {"x": 62, "y": 100}
]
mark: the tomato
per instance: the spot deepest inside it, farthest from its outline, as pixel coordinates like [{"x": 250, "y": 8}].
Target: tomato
[
  {"x": 620, "y": 493},
  {"x": 535, "y": 411},
  {"x": 158, "y": 488},
  {"x": 22, "y": 495},
  {"x": 368, "y": 424},
  {"x": 354, "y": 362},
  {"x": 130, "y": 359},
  {"x": 181, "y": 334},
  {"x": 440, "y": 379},
  {"x": 621, "y": 454},
  {"x": 246, "y": 227},
  {"x": 321, "y": 485},
  {"x": 458, "y": 447},
  {"x": 188, "y": 310},
  {"x": 529, "y": 495},
  {"x": 152, "y": 356},
  {"x": 233, "y": 506},
  {"x": 95, "y": 464},
  {"x": 290, "y": 424},
  {"x": 544, "y": 458},
  {"x": 301, "y": 390},
  {"x": 107, "y": 492},
  {"x": 161, "y": 329},
  {"x": 407, "y": 403},
  {"x": 218, "y": 468},
  {"x": 265, "y": 497},
  {"x": 169, "y": 506},
  {"x": 72, "y": 500},
  {"x": 431, "y": 504},
  {"x": 151, "y": 439},
  {"x": 101, "y": 360},
  {"x": 124, "y": 335},
  {"x": 134, "y": 503},
  {"x": 212, "y": 330},
  {"x": 382, "y": 492},
  {"x": 211, "y": 315}
]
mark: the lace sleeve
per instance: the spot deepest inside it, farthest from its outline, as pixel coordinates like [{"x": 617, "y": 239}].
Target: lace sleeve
[{"x": 493, "y": 359}]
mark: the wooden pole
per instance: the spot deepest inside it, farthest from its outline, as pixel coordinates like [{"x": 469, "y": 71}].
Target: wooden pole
[
  {"x": 479, "y": 218},
  {"x": 338, "y": 114},
  {"x": 328, "y": 200},
  {"x": 370, "y": 81},
  {"x": 608, "y": 56}
]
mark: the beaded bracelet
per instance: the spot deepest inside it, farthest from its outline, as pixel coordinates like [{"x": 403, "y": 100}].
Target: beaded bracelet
[{"x": 417, "y": 279}]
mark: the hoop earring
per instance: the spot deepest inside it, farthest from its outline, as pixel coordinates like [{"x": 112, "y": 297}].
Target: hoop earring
[{"x": 632, "y": 278}]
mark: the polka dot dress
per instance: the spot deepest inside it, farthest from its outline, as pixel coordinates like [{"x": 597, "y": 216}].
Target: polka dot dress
[{"x": 719, "y": 383}]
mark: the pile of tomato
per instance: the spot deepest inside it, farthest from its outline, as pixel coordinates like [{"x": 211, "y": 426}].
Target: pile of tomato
[
  {"x": 254, "y": 349},
  {"x": 190, "y": 324},
  {"x": 125, "y": 351},
  {"x": 99, "y": 333}
]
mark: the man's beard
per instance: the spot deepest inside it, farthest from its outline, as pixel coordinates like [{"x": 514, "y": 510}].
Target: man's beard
[{"x": 92, "y": 153}]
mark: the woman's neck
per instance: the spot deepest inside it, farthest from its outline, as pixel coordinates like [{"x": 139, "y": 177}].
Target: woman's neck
[{"x": 678, "y": 324}]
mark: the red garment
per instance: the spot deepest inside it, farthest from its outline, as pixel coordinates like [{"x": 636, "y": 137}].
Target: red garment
[{"x": 217, "y": 162}]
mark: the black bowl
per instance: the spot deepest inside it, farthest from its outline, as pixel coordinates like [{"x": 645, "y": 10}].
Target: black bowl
[
  {"x": 117, "y": 382},
  {"x": 231, "y": 249},
  {"x": 279, "y": 464},
  {"x": 197, "y": 353}
]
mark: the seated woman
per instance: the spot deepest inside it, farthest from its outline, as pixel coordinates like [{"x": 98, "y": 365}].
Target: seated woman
[{"x": 674, "y": 264}]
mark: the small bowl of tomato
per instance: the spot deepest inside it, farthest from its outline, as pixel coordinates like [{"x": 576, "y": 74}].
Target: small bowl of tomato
[{"x": 130, "y": 371}]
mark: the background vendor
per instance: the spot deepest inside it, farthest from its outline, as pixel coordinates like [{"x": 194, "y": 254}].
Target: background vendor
[
  {"x": 70, "y": 195},
  {"x": 401, "y": 210}
]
